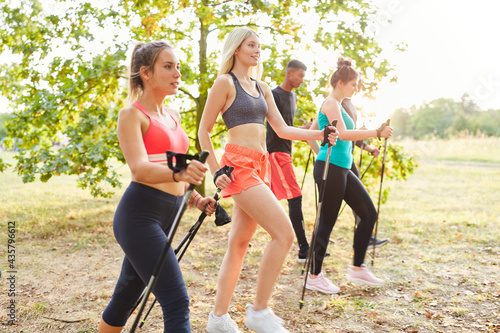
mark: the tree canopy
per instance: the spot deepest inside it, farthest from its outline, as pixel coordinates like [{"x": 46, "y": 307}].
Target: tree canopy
[{"x": 67, "y": 77}]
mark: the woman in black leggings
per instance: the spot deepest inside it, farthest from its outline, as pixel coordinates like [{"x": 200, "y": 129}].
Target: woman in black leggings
[
  {"x": 146, "y": 130},
  {"x": 342, "y": 183}
]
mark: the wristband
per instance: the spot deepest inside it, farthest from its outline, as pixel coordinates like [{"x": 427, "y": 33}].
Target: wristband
[
  {"x": 194, "y": 200},
  {"x": 173, "y": 177}
]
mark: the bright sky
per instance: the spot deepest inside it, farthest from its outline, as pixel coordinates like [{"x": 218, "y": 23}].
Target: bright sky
[{"x": 453, "y": 48}]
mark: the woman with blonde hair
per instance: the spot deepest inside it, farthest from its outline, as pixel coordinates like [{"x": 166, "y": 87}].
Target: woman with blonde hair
[
  {"x": 146, "y": 130},
  {"x": 245, "y": 102}
]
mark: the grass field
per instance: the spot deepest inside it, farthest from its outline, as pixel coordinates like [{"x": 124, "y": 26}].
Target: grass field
[{"x": 441, "y": 267}]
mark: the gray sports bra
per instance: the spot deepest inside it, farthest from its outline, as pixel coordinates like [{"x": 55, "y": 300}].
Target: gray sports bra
[{"x": 246, "y": 108}]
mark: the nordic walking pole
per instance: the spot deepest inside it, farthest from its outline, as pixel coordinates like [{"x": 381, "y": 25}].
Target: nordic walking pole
[
  {"x": 387, "y": 123},
  {"x": 305, "y": 171},
  {"x": 154, "y": 278},
  {"x": 194, "y": 229},
  {"x": 318, "y": 211},
  {"x": 367, "y": 167},
  {"x": 315, "y": 189},
  {"x": 184, "y": 244},
  {"x": 359, "y": 168},
  {"x": 361, "y": 154},
  {"x": 307, "y": 164}
]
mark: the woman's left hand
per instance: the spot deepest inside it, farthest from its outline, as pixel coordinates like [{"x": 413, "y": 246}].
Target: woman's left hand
[{"x": 208, "y": 204}]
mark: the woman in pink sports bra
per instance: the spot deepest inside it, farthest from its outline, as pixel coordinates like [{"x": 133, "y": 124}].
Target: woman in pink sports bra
[
  {"x": 146, "y": 130},
  {"x": 244, "y": 104}
]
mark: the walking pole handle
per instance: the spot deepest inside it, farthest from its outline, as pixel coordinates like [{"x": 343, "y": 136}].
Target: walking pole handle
[
  {"x": 227, "y": 172},
  {"x": 384, "y": 125},
  {"x": 327, "y": 132}
]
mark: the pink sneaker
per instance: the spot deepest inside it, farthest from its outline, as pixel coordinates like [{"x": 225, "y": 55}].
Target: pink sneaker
[
  {"x": 321, "y": 283},
  {"x": 364, "y": 276}
]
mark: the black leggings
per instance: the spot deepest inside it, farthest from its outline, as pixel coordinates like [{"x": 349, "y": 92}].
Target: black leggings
[
  {"x": 354, "y": 169},
  {"x": 141, "y": 223},
  {"x": 297, "y": 218},
  {"x": 342, "y": 184}
]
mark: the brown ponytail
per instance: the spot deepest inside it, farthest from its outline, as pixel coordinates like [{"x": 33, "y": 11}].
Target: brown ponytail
[{"x": 143, "y": 54}]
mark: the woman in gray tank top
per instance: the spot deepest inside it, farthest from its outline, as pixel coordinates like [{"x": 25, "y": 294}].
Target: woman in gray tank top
[{"x": 244, "y": 104}]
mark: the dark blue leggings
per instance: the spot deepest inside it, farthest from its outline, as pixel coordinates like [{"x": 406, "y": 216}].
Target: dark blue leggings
[
  {"x": 342, "y": 184},
  {"x": 140, "y": 225}
]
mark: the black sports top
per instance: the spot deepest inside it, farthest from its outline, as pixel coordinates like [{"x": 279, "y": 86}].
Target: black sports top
[
  {"x": 246, "y": 108},
  {"x": 286, "y": 103}
]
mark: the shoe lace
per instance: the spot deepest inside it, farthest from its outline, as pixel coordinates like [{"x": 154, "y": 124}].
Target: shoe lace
[{"x": 228, "y": 324}]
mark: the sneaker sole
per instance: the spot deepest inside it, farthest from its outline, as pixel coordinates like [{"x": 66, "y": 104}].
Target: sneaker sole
[
  {"x": 321, "y": 290},
  {"x": 378, "y": 245},
  {"x": 216, "y": 330},
  {"x": 257, "y": 329},
  {"x": 364, "y": 281},
  {"x": 253, "y": 328},
  {"x": 300, "y": 260}
]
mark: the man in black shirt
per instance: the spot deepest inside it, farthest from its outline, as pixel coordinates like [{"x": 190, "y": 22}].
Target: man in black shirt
[{"x": 283, "y": 180}]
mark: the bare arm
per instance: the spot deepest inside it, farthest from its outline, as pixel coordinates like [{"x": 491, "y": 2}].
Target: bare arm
[
  {"x": 331, "y": 109},
  {"x": 216, "y": 101},
  {"x": 278, "y": 124},
  {"x": 314, "y": 143}
]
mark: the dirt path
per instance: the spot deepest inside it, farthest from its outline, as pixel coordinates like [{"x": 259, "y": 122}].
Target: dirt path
[{"x": 440, "y": 277}]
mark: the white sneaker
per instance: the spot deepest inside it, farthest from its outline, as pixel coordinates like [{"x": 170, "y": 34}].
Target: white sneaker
[
  {"x": 264, "y": 321},
  {"x": 321, "y": 283},
  {"x": 223, "y": 324},
  {"x": 364, "y": 276}
]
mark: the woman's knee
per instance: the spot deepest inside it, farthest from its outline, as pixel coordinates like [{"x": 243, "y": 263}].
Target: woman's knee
[
  {"x": 238, "y": 246},
  {"x": 285, "y": 235},
  {"x": 366, "y": 212},
  {"x": 289, "y": 238},
  {"x": 372, "y": 215},
  {"x": 176, "y": 314}
]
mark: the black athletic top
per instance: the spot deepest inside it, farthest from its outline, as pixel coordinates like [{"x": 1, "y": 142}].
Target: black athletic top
[
  {"x": 246, "y": 108},
  {"x": 286, "y": 103}
]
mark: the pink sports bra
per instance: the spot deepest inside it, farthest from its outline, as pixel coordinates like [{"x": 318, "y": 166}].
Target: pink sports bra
[{"x": 159, "y": 138}]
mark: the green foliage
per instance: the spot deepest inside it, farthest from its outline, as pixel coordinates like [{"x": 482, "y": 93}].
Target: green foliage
[
  {"x": 399, "y": 165},
  {"x": 68, "y": 79},
  {"x": 3, "y": 119},
  {"x": 445, "y": 118}
]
